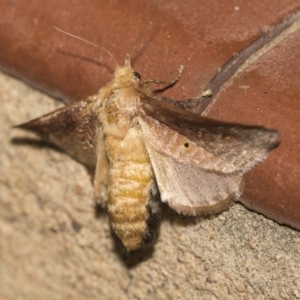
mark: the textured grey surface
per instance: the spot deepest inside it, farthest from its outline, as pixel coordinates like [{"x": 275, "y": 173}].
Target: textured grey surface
[{"x": 54, "y": 246}]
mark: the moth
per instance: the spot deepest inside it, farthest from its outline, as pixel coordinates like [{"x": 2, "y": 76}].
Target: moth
[{"x": 146, "y": 150}]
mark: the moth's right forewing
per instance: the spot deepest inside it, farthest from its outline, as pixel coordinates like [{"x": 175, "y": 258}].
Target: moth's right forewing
[{"x": 73, "y": 128}]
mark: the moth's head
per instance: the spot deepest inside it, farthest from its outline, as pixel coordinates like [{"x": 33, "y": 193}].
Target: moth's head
[{"x": 126, "y": 76}]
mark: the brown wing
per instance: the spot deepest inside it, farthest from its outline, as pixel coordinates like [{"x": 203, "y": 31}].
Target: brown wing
[
  {"x": 73, "y": 128},
  {"x": 202, "y": 142},
  {"x": 190, "y": 190}
]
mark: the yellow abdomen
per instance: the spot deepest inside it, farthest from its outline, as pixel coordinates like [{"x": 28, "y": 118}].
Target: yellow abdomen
[{"x": 130, "y": 185}]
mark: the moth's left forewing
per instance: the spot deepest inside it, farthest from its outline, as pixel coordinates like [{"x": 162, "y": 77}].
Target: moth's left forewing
[
  {"x": 206, "y": 143},
  {"x": 198, "y": 162}
]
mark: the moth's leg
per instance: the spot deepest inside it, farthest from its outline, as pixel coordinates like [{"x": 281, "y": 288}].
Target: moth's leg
[
  {"x": 191, "y": 103},
  {"x": 167, "y": 84},
  {"x": 207, "y": 92},
  {"x": 187, "y": 104},
  {"x": 101, "y": 174}
]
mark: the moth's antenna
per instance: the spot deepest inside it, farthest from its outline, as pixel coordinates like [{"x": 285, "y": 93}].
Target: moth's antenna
[
  {"x": 81, "y": 39},
  {"x": 145, "y": 27}
]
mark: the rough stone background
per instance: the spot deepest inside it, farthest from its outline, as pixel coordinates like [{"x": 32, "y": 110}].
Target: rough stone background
[{"x": 53, "y": 244}]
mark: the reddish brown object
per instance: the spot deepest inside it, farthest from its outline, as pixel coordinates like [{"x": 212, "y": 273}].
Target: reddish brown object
[
  {"x": 202, "y": 36},
  {"x": 267, "y": 93}
]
